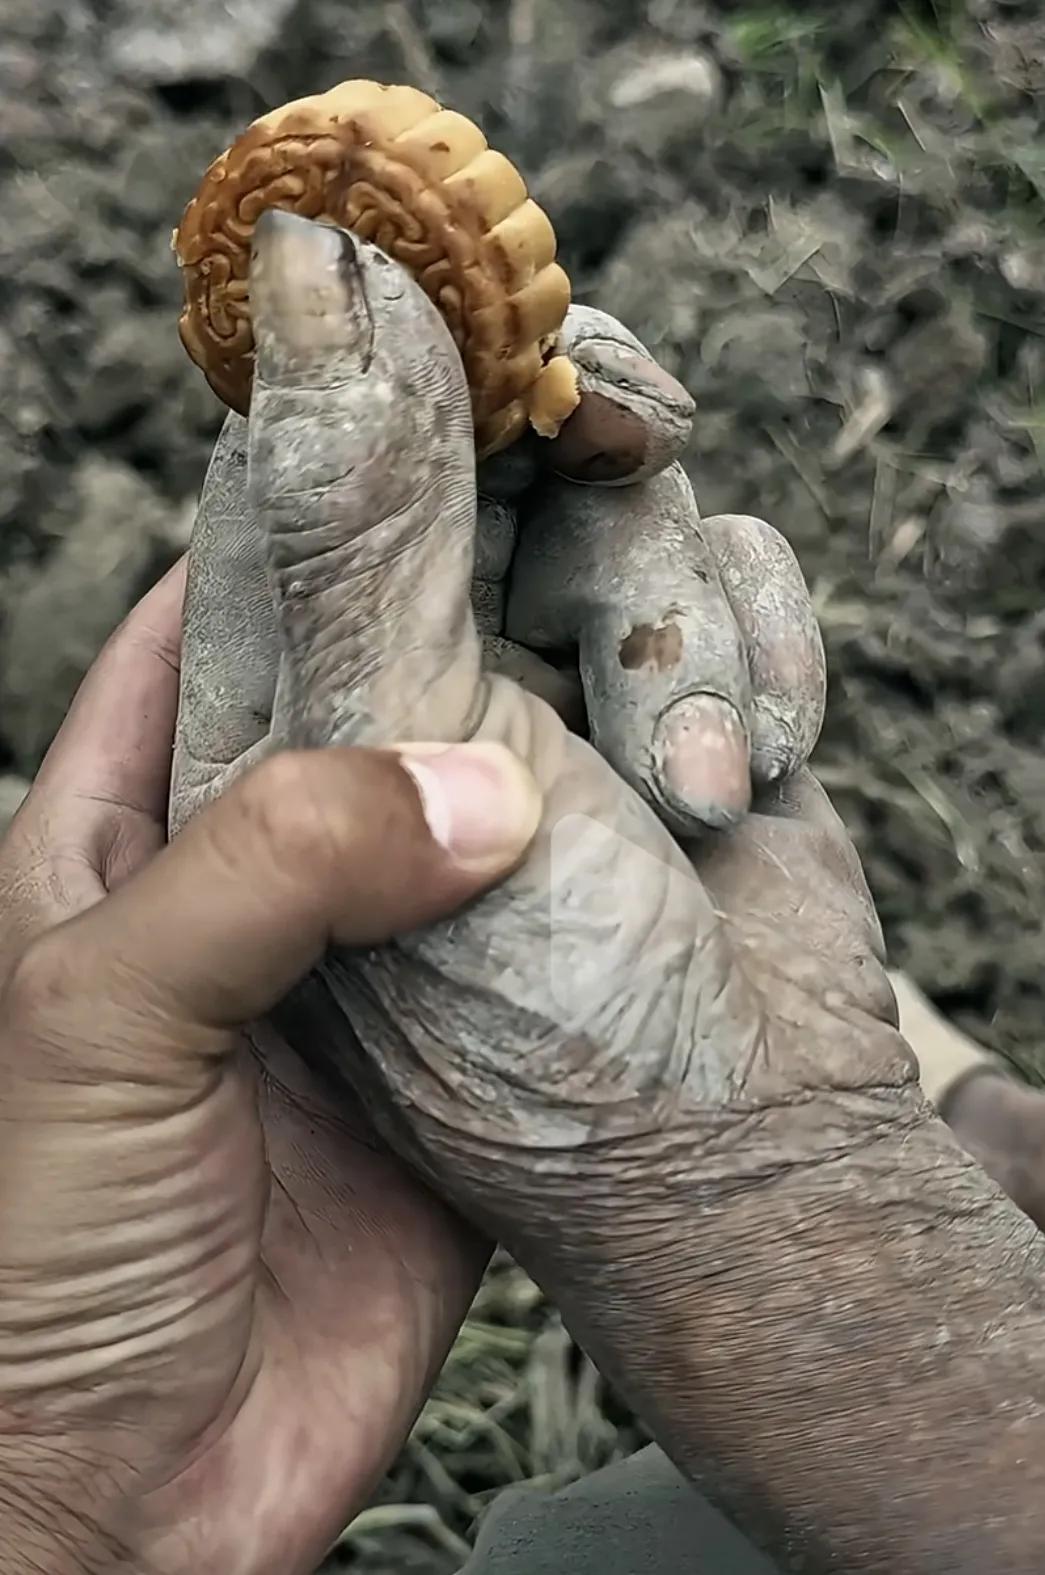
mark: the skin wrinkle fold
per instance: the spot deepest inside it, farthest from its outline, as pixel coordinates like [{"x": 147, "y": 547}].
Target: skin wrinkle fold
[
  {"x": 87, "y": 1289},
  {"x": 342, "y": 551},
  {"x": 503, "y": 475},
  {"x": 338, "y": 623},
  {"x": 330, "y": 495},
  {"x": 167, "y": 1398},
  {"x": 799, "y": 1314},
  {"x": 51, "y": 1519}
]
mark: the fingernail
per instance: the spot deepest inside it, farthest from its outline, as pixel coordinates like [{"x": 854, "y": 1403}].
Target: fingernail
[
  {"x": 775, "y": 752},
  {"x": 481, "y": 803},
  {"x": 701, "y": 756}
]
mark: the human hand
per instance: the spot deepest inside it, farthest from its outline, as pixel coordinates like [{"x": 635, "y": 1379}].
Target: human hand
[
  {"x": 177, "y": 1492},
  {"x": 221, "y": 1300},
  {"x": 685, "y": 648},
  {"x": 669, "y": 1080}
]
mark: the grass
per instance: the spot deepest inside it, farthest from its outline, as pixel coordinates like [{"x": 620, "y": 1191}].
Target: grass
[{"x": 516, "y": 1403}]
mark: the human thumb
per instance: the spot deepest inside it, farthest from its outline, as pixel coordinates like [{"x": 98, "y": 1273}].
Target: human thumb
[{"x": 345, "y": 846}]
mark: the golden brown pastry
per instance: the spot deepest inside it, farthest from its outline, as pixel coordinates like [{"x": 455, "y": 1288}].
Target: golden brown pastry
[{"x": 394, "y": 167}]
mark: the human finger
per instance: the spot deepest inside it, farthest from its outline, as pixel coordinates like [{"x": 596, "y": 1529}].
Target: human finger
[
  {"x": 362, "y": 471},
  {"x": 634, "y": 419},
  {"x": 626, "y": 579},
  {"x": 559, "y": 687},
  {"x": 230, "y": 644},
  {"x": 785, "y": 652},
  {"x": 115, "y": 744},
  {"x": 1001, "y": 1124},
  {"x": 369, "y": 557},
  {"x": 346, "y": 846},
  {"x": 97, "y": 809}
]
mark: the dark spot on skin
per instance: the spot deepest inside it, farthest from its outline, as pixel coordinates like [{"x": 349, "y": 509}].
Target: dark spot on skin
[
  {"x": 440, "y": 147},
  {"x": 659, "y": 646}
]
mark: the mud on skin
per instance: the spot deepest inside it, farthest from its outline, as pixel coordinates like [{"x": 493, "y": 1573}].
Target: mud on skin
[
  {"x": 749, "y": 1090},
  {"x": 924, "y": 270},
  {"x": 919, "y": 696}
]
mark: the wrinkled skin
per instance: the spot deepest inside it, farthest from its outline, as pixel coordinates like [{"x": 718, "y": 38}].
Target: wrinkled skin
[
  {"x": 238, "y": 1429},
  {"x": 665, "y": 1072},
  {"x": 190, "y": 1379},
  {"x": 664, "y": 634},
  {"x": 253, "y": 1395}
]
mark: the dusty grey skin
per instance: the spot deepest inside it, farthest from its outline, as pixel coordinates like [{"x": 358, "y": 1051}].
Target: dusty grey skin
[
  {"x": 688, "y": 647},
  {"x": 634, "y": 419},
  {"x": 666, "y": 1075},
  {"x": 713, "y": 653}
]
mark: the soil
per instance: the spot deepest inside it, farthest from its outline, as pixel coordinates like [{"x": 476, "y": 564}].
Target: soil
[{"x": 829, "y": 221}]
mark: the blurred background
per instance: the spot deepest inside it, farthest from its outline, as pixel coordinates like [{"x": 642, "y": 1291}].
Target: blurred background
[{"x": 828, "y": 220}]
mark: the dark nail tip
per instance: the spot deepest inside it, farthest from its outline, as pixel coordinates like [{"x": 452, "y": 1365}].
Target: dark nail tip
[
  {"x": 279, "y": 219},
  {"x": 277, "y": 223},
  {"x": 284, "y": 225}
]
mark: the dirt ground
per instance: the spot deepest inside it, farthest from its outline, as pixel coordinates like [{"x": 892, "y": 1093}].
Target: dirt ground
[{"x": 829, "y": 221}]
